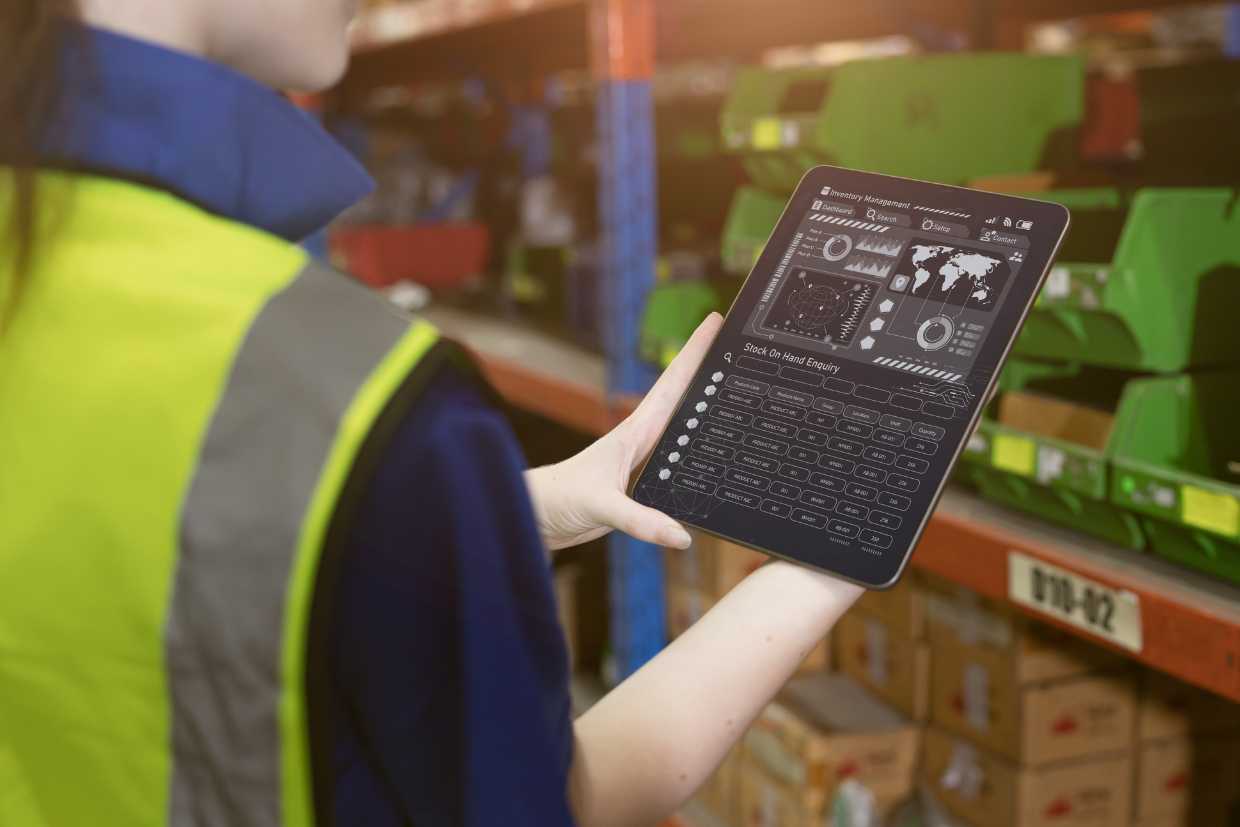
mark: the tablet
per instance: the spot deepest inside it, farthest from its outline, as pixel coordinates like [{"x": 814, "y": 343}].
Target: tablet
[{"x": 851, "y": 369}]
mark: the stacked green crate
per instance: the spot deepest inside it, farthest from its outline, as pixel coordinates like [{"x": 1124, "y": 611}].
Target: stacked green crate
[
  {"x": 751, "y": 220},
  {"x": 949, "y": 118},
  {"x": 1045, "y": 447},
  {"x": 1165, "y": 301},
  {"x": 672, "y": 309},
  {"x": 1153, "y": 321},
  {"x": 1176, "y": 462}
]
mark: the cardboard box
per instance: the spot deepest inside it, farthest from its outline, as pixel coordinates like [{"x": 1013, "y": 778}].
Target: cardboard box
[
  {"x": 902, "y": 608},
  {"x": 692, "y": 567},
  {"x": 1170, "y": 708},
  {"x": 722, "y": 793},
  {"x": 1058, "y": 418},
  {"x": 710, "y": 565},
  {"x": 988, "y": 791},
  {"x": 1188, "y": 782},
  {"x": 823, "y": 730},
  {"x": 685, "y": 606},
  {"x": 818, "y": 659},
  {"x": 958, "y": 619},
  {"x": 977, "y": 693},
  {"x": 765, "y": 801},
  {"x": 566, "y": 581},
  {"x": 894, "y": 667}
]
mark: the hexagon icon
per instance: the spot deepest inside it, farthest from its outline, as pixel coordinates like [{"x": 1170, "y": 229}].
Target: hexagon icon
[
  {"x": 886, "y": 305},
  {"x": 877, "y": 324},
  {"x": 867, "y": 343}
]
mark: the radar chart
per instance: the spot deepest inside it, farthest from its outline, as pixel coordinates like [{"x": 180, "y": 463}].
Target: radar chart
[{"x": 820, "y": 306}]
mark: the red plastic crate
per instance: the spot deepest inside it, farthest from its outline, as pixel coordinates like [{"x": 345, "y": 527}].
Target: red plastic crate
[{"x": 436, "y": 255}]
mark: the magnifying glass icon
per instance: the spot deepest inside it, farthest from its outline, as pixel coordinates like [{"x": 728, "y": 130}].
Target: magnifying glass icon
[
  {"x": 870, "y": 214},
  {"x": 727, "y": 357}
]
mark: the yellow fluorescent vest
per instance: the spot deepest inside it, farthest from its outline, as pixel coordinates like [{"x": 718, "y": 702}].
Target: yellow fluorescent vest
[{"x": 185, "y": 406}]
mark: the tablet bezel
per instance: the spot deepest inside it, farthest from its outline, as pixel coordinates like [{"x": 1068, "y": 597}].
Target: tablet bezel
[{"x": 1050, "y": 225}]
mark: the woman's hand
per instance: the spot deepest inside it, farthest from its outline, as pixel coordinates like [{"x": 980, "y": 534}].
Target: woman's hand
[{"x": 584, "y": 496}]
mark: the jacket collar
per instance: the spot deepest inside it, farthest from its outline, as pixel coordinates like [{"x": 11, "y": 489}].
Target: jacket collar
[{"x": 206, "y": 133}]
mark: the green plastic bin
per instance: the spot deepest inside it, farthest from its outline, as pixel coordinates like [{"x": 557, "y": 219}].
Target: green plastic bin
[
  {"x": 770, "y": 116},
  {"x": 751, "y": 220},
  {"x": 1176, "y": 461},
  {"x": 1061, "y": 480},
  {"x": 949, "y": 118},
  {"x": 673, "y": 312},
  {"x": 1164, "y": 302}
]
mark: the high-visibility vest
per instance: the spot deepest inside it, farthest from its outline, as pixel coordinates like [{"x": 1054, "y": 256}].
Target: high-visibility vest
[{"x": 188, "y": 410}]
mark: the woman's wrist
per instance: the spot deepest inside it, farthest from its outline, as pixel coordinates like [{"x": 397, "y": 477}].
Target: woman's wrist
[{"x": 539, "y": 482}]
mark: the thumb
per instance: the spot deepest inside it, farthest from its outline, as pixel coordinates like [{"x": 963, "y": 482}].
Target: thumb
[
  {"x": 651, "y": 416},
  {"x": 643, "y": 523}
]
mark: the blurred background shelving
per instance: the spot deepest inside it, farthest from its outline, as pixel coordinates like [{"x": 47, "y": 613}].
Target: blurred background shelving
[{"x": 568, "y": 186}]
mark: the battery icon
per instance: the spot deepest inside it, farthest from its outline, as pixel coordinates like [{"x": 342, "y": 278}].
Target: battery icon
[{"x": 1024, "y": 225}]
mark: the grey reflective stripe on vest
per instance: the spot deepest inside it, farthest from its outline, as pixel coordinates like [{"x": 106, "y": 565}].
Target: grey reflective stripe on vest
[{"x": 301, "y": 363}]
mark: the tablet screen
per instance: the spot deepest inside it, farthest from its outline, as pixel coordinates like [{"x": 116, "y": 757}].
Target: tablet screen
[{"x": 851, "y": 368}]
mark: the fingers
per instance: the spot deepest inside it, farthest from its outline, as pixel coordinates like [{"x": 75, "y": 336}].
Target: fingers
[
  {"x": 652, "y": 414},
  {"x": 643, "y": 523}
]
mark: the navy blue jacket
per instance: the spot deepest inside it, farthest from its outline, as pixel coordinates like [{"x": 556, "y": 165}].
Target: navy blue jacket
[{"x": 449, "y": 700}]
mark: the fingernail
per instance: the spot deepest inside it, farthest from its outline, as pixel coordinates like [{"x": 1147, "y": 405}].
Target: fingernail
[{"x": 675, "y": 536}]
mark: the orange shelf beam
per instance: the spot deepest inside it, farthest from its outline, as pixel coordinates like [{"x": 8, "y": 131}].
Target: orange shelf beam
[
  {"x": 409, "y": 22},
  {"x": 581, "y": 407},
  {"x": 1190, "y": 623},
  {"x": 537, "y": 372}
]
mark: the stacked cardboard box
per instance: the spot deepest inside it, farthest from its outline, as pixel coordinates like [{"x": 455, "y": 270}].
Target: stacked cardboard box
[
  {"x": 822, "y": 732},
  {"x": 986, "y": 790},
  {"x": 697, "y": 577},
  {"x": 882, "y": 644},
  {"x": 567, "y": 580},
  {"x": 722, "y": 793},
  {"x": 1029, "y": 727},
  {"x": 1188, "y": 756}
]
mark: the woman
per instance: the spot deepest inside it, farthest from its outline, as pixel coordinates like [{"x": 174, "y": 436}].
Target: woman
[{"x": 267, "y": 552}]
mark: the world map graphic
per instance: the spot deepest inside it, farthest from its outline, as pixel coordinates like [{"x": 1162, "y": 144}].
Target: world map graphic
[{"x": 955, "y": 275}]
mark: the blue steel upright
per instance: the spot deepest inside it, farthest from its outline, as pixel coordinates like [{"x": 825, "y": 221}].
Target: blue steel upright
[
  {"x": 623, "y": 61},
  {"x": 1231, "y": 46}
]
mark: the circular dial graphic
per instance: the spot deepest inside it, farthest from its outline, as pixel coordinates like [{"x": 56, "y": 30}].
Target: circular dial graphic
[
  {"x": 935, "y": 332},
  {"x": 837, "y": 247}
]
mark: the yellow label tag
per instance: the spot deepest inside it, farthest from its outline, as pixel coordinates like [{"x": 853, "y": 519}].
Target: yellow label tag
[
  {"x": 768, "y": 133},
  {"x": 525, "y": 288},
  {"x": 1207, "y": 510},
  {"x": 662, "y": 270},
  {"x": 667, "y": 354},
  {"x": 1014, "y": 453}
]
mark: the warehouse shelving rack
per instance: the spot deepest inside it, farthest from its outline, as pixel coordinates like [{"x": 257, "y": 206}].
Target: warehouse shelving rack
[{"x": 1189, "y": 625}]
